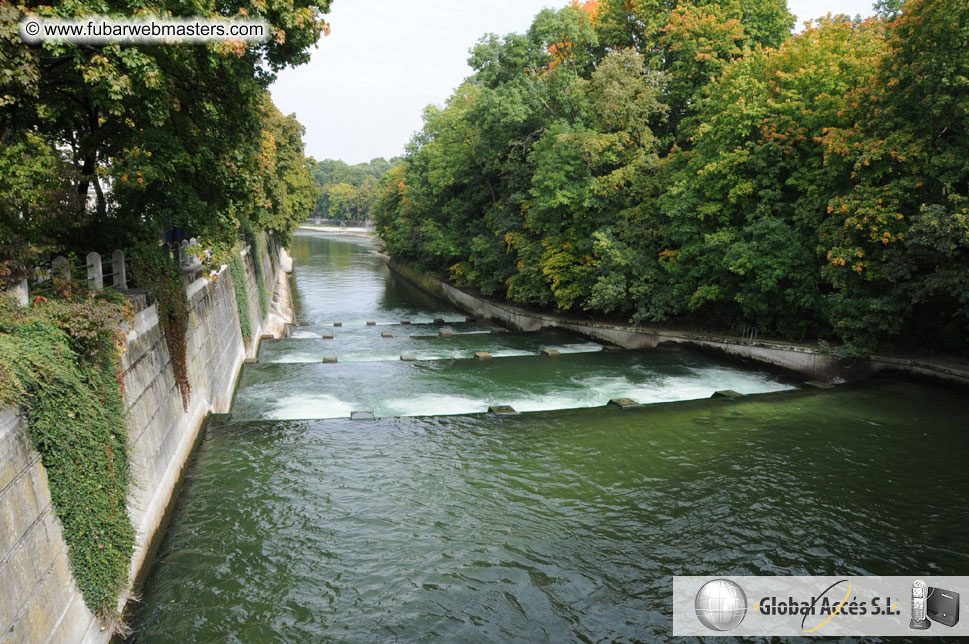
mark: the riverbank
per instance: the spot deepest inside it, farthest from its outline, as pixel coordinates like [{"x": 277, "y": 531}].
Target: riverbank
[{"x": 810, "y": 361}]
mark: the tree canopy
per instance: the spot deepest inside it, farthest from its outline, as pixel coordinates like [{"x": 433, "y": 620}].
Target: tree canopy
[
  {"x": 693, "y": 162},
  {"x": 107, "y": 144}
]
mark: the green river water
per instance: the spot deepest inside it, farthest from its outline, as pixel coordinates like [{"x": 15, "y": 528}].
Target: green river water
[{"x": 296, "y": 524}]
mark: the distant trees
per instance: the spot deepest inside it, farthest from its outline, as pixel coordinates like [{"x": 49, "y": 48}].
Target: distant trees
[
  {"x": 693, "y": 162},
  {"x": 346, "y": 192}
]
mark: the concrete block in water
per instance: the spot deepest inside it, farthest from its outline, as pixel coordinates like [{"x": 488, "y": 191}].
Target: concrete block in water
[
  {"x": 386, "y": 334},
  {"x": 727, "y": 393},
  {"x": 267, "y": 336},
  {"x": 499, "y": 329},
  {"x": 327, "y": 336},
  {"x": 250, "y": 361},
  {"x": 361, "y": 415},
  {"x": 502, "y": 410},
  {"x": 438, "y": 320},
  {"x": 405, "y": 321},
  {"x": 624, "y": 403},
  {"x": 407, "y": 357},
  {"x": 445, "y": 332},
  {"x": 482, "y": 355},
  {"x": 329, "y": 359},
  {"x": 338, "y": 324},
  {"x": 371, "y": 323},
  {"x": 551, "y": 352},
  {"x": 817, "y": 384}
]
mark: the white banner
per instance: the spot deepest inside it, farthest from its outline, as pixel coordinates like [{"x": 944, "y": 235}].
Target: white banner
[{"x": 818, "y": 606}]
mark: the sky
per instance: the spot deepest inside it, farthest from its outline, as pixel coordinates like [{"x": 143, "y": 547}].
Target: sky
[{"x": 363, "y": 92}]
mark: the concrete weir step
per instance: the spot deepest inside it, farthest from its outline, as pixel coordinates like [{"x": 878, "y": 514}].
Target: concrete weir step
[
  {"x": 402, "y": 328},
  {"x": 817, "y": 384},
  {"x": 624, "y": 403},
  {"x": 502, "y": 410},
  {"x": 729, "y": 394},
  {"x": 388, "y": 346},
  {"x": 400, "y": 387}
]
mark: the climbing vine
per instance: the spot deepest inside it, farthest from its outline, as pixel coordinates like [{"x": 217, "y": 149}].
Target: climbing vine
[
  {"x": 257, "y": 246},
  {"x": 157, "y": 273},
  {"x": 237, "y": 272},
  {"x": 59, "y": 363}
]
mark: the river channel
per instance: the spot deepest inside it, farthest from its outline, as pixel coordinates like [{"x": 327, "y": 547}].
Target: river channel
[{"x": 436, "y": 521}]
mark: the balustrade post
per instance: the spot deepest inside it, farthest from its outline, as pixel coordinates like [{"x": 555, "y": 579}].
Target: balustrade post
[
  {"x": 118, "y": 270},
  {"x": 60, "y": 262},
  {"x": 95, "y": 271}
]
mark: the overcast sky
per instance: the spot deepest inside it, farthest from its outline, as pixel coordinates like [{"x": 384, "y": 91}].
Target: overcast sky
[{"x": 362, "y": 94}]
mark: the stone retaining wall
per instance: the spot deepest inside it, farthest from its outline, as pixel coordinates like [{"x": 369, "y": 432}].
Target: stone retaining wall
[{"x": 38, "y": 599}]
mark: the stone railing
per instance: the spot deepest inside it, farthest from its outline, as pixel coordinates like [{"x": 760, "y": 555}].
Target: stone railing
[{"x": 102, "y": 272}]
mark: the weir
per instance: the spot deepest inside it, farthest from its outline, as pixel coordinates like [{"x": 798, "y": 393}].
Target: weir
[{"x": 369, "y": 488}]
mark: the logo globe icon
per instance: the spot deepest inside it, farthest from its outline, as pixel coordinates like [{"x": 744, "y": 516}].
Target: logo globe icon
[{"x": 720, "y": 604}]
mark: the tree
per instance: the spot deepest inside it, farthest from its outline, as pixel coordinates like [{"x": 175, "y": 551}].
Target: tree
[{"x": 896, "y": 237}]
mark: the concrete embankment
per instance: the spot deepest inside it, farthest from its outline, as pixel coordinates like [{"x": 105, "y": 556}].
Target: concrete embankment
[
  {"x": 808, "y": 361},
  {"x": 40, "y": 602}
]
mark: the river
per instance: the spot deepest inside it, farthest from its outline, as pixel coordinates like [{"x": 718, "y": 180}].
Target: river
[{"x": 436, "y": 522}]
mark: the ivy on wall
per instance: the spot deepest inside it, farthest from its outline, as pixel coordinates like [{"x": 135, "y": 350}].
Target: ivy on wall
[
  {"x": 237, "y": 273},
  {"x": 59, "y": 363},
  {"x": 257, "y": 247},
  {"x": 155, "y": 272}
]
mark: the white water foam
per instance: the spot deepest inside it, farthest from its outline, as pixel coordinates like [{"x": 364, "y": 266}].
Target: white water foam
[
  {"x": 300, "y": 406},
  {"x": 432, "y": 404},
  {"x": 296, "y": 333}
]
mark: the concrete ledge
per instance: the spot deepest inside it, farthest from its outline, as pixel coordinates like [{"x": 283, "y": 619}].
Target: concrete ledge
[
  {"x": 551, "y": 352},
  {"x": 502, "y": 410},
  {"x": 818, "y": 385},
  {"x": 329, "y": 359},
  {"x": 482, "y": 355},
  {"x": 445, "y": 333},
  {"x": 386, "y": 334},
  {"x": 624, "y": 403},
  {"x": 408, "y": 357}
]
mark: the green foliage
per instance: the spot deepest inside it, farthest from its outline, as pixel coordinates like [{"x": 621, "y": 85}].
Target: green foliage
[
  {"x": 59, "y": 365},
  {"x": 257, "y": 248},
  {"x": 184, "y": 135},
  {"x": 347, "y": 192},
  {"x": 157, "y": 273},
  {"x": 237, "y": 273},
  {"x": 691, "y": 161}
]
